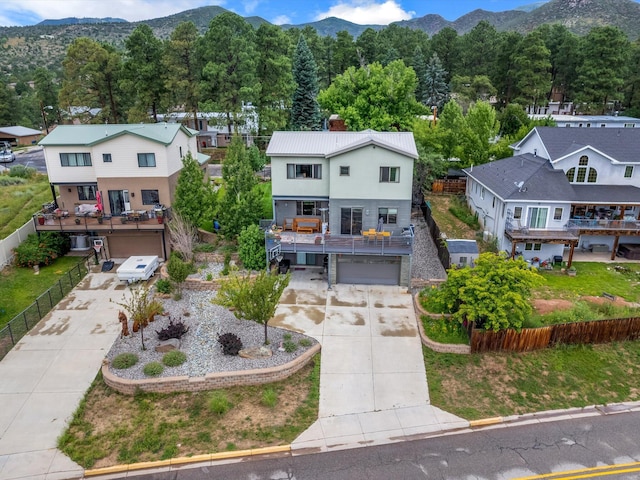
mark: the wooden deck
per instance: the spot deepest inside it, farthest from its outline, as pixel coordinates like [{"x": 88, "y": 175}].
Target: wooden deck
[
  {"x": 354, "y": 245},
  {"x": 91, "y": 224}
]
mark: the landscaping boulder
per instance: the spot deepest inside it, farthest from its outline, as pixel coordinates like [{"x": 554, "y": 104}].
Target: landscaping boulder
[{"x": 168, "y": 345}]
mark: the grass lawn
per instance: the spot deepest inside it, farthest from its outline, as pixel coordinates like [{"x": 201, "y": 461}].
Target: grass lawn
[
  {"x": 20, "y": 287},
  {"x": 19, "y": 202},
  {"x": 479, "y": 386},
  {"x": 448, "y": 224},
  {"x": 109, "y": 428}
]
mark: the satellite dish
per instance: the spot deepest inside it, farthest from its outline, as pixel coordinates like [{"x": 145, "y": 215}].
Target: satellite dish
[{"x": 519, "y": 185}]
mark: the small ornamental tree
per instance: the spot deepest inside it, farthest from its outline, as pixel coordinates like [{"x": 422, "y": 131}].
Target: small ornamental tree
[
  {"x": 140, "y": 305},
  {"x": 251, "y": 248},
  {"x": 253, "y": 298},
  {"x": 494, "y": 294},
  {"x": 178, "y": 271},
  {"x": 194, "y": 197}
]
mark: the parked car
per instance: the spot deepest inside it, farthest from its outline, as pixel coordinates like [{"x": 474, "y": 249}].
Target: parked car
[{"x": 7, "y": 156}]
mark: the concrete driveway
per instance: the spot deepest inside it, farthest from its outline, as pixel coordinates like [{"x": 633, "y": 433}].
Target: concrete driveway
[{"x": 373, "y": 385}]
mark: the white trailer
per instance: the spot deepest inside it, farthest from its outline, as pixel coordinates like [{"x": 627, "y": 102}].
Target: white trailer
[{"x": 137, "y": 268}]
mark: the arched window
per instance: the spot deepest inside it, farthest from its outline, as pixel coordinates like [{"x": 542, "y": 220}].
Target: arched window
[
  {"x": 570, "y": 174},
  {"x": 593, "y": 176},
  {"x": 584, "y": 160}
]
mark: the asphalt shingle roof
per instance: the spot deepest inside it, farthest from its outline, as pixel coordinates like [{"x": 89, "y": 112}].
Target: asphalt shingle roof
[
  {"x": 19, "y": 131},
  {"x": 93, "y": 134},
  {"x": 621, "y": 144},
  {"x": 328, "y": 144},
  {"x": 606, "y": 194},
  {"x": 540, "y": 182}
]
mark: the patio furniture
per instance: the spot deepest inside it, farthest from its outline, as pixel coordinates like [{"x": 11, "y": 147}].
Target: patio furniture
[
  {"x": 288, "y": 224},
  {"x": 306, "y": 224}
]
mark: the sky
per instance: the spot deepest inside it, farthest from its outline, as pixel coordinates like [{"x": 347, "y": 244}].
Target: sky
[{"x": 377, "y": 12}]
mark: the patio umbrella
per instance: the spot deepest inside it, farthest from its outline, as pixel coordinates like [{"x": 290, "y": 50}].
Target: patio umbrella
[{"x": 99, "y": 206}]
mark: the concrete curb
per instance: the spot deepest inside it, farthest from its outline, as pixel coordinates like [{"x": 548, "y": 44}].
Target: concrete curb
[{"x": 209, "y": 457}]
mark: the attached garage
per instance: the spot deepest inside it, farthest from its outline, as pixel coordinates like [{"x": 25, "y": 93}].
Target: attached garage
[
  {"x": 124, "y": 245},
  {"x": 368, "y": 269}
]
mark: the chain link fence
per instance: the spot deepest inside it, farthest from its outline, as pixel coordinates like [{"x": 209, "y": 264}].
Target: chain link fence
[{"x": 18, "y": 327}]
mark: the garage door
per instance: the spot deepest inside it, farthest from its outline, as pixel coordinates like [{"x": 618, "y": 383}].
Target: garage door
[
  {"x": 368, "y": 270},
  {"x": 124, "y": 246}
]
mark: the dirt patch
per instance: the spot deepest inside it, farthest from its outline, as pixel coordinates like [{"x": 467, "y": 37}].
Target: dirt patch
[
  {"x": 543, "y": 307},
  {"x": 618, "y": 301}
]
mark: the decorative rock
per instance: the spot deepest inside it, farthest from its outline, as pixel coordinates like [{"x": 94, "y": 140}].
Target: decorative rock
[
  {"x": 255, "y": 352},
  {"x": 168, "y": 345}
]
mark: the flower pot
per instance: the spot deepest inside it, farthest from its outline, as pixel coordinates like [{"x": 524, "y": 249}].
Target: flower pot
[
  {"x": 41, "y": 220},
  {"x": 77, "y": 221},
  {"x": 572, "y": 273},
  {"x": 160, "y": 219}
]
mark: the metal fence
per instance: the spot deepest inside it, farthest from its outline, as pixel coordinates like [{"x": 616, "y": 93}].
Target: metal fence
[
  {"x": 434, "y": 231},
  {"x": 29, "y": 317}
]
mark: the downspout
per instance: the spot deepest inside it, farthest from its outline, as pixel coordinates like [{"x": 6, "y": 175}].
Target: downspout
[{"x": 53, "y": 194}]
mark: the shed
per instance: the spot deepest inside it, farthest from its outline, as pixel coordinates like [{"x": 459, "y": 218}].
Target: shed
[
  {"x": 462, "y": 252},
  {"x": 17, "y": 135}
]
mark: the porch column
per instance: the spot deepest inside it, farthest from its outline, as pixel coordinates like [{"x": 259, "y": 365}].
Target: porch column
[
  {"x": 513, "y": 249},
  {"x": 615, "y": 247},
  {"x": 572, "y": 247}
]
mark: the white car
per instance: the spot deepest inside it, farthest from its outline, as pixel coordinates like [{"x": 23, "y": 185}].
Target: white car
[{"x": 7, "y": 156}]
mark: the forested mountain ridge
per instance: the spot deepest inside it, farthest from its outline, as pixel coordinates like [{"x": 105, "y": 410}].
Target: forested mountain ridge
[{"x": 26, "y": 48}]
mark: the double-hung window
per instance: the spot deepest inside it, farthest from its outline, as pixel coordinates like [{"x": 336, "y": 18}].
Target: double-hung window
[
  {"x": 75, "y": 159},
  {"x": 388, "y": 215},
  {"x": 146, "y": 159},
  {"x": 308, "y": 170},
  {"x": 389, "y": 174}
]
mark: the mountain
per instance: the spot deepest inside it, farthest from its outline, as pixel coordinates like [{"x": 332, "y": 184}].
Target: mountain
[
  {"x": 531, "y": 6},
  {"x": 44, "y": 45},
  {"x": 75, "y": 21}
]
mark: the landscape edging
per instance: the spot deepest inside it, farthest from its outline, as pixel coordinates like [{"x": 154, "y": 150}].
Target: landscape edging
[
  {"x": 433, "y": 345},
  {"x": 211, "y": 381}
]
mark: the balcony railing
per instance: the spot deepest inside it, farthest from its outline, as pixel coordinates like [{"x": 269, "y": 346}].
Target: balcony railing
[
  {"x": 350, "y": 244},
  {"x": 604, "y": 224},
  {"x": 71, "y": 223}
]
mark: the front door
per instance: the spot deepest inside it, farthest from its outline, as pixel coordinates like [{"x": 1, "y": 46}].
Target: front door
[
  {"x": 350, "y": 221},
  {"x": 119, "y": 201}
]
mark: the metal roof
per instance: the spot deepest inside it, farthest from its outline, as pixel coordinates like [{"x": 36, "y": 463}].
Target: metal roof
[
  {"x": 19, "y": 131},
  {"x": 462, "y": 246},
  {"x": 328, "y": 144},
  {"x": 93, "y": 134}
]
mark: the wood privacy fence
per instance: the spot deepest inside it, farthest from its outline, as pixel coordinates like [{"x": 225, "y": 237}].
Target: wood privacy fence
[
  {"x": 449, "y": 186},
  {"x": 528, "y": 339}
]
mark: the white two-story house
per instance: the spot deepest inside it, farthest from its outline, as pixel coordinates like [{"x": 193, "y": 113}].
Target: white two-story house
[
  {"x": 129, "y": 171},
  {"x": 563, "y": 188},
  {"x": 345, "y": 198}
]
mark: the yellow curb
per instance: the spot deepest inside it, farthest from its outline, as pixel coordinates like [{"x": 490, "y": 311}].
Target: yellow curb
[
  {"x": 155, "y": 464},
  {"x": 106, "y": 470},
  {"x": 195, "y": 459},
  {"x": 266, "y": 450},
  {"x": 485, "y": 421},
  {"x": 233, "y": 454}
]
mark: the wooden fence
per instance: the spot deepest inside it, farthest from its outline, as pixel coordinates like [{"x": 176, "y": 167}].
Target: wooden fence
[
  {"x": 528, "y": 339},
  {"x": 449, "y": 186},
  {"x": 434, "y": 231}
]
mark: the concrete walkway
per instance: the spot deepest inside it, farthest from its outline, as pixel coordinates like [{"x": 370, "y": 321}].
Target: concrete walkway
[
  {"x": 373, "y": 385},
  {"x": 44, "y": 377}
]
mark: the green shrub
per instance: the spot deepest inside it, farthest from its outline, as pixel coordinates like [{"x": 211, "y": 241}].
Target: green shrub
[
  {"x": 209, "y": 276},
  {"x": 41, "y": 250},
  {"x": 204, "y": 247},
  {"x": 6, "y": 181},
  {"x": 289, "y": 346},
  {"x": 431, "y": 301},
  {"x": 21, "y": 171},
  {"x": 286, "y": 336},
  {"x": 163, "y": 286},
  {"x": 251, "y": 248},
  {"x": 225, "y": 267},
  {"x": 305, "y": 342},
  {"x": 124, "y": 360},
  {"x": 219, "y": 403},
  {"x": 153, "y": 369},
  {"x": 461, "y": 211},
  {"x": 269, "y": 398},
  {"x": 174, "y": 358}
]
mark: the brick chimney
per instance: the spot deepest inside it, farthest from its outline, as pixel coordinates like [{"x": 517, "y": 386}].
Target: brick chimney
[{"x": 336, "y": 124}]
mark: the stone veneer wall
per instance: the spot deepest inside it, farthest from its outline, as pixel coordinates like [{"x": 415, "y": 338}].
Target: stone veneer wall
[
  {"x": 435, "y": 346},
  {"x": 210, "y": 381}
]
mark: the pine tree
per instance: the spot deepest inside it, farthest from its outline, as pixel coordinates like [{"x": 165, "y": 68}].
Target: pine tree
[
  {"x": 420, "y": 67},
  {"x": 305, "y": 112},
  {"x": 436, "y": 90},
  {"x": 193, "y": 197}
]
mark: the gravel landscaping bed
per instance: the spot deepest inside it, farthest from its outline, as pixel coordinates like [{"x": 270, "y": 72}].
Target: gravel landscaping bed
[
  {"x": 425, "y": 263},
  {"x": 204, "y": 354}
]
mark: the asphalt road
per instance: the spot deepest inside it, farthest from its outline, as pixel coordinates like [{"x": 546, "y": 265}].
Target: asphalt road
[
  {"x": 504, "y": 453},
  {"x": 32, "y": 157}
]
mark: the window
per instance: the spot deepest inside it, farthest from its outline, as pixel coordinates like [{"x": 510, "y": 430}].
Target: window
[
  {"x": 603, "y": 125},
  {"x": 582, "y": 174},
  {"x": 344, "y": 171},
  {"x": 75, "y": 159},
  {"x": 557, "y": 213},
  {"x": 106, "y": 157},
  {"x": 628, "y": 171},
  {"x": 584, "y": 160},
  {"x": 304, "y": 170},
  {"x": 593, "y": 176},
  {"x": 150, "y": 197},
  {"x": 482, "y": 193},
  {"x": 533, "y": 246},
  {"x": 86, "y": 192},
  {"x": 390, "y": 174},
  {"x": 388, "y": 215},
  {"x": 571, "y": 173},
  {"x": 146, "y": 159},
  {"x": 629, "y": 125},
  {"x": 538, "y": 217},
  {"x": 493, "y": 203},
  {"x": 517, "y": 213},
  {"x": 308, "y": 207}
]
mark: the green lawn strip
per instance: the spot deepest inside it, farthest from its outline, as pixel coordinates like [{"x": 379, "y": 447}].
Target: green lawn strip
[
  {"x": 120, "y": 429},
  {"x": 443, "y": 330},
  {"x": 448, "y": 224},
  {"x": 20, "y": 286},
  {"x": 19, "y": 202},
  {"x": 593, "y": 279},
  {"x": 488, "y": 385},
  {"x": 265, "y": 194}
]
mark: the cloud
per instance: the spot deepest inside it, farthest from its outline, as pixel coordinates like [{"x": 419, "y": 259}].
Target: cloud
[
  {"x": 250, "y": 5},
  {"x": 367, "y": 12},
  {"x": 281, "y": 20},
  {"x": 14, "y": 12}
]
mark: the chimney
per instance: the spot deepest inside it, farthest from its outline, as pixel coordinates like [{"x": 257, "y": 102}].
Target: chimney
[{"x": 336, "y": 124}]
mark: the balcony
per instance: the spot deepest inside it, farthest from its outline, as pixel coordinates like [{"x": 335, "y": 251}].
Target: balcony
[
  {"x": 605, "y": 226},
  {"x": 51, "y": 222},
  {"x": 291, "y": 242}
]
